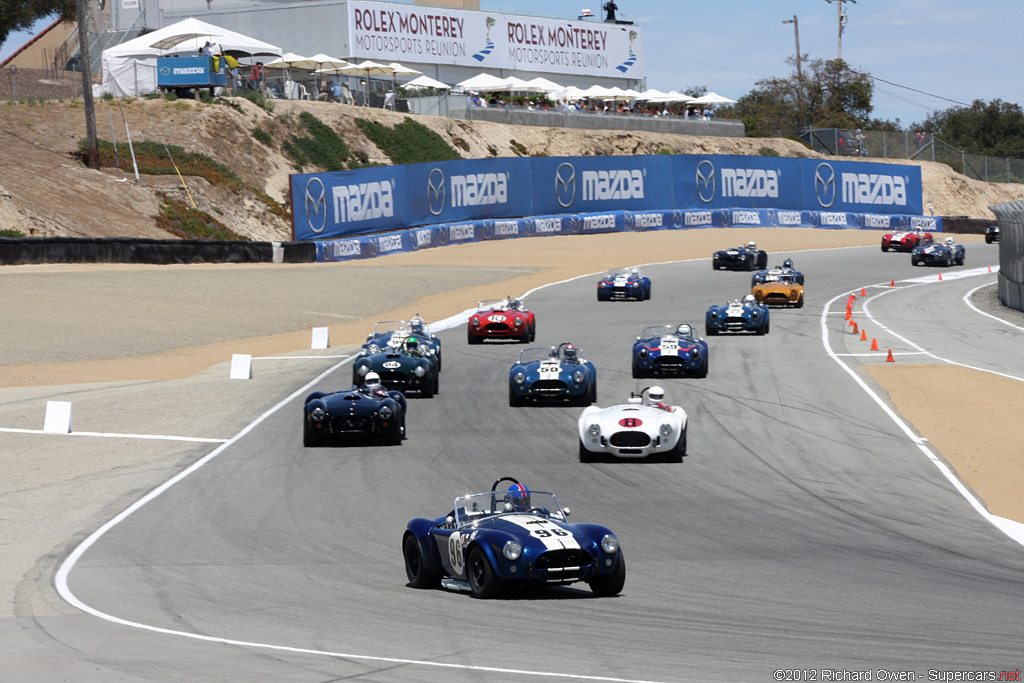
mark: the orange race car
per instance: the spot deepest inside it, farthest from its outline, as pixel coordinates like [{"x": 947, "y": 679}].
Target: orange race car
[{"x": 780, "y": 290}]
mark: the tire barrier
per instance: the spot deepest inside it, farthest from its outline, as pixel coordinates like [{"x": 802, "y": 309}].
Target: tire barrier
[
  {"x": 1011, "y": 253},
  {"x": 33, "y": 250}
]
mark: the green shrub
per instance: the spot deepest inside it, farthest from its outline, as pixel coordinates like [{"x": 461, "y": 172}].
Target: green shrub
[
  {"x": 519, "y": 148},
  {"x": 262, "y": 135},
  {"x": 323, "y": 148},
  {"x": 767, "y": 152},
  {"x": 186, "y": 222},
  {"x": 259, "y": 101},
  {"x": 409, "y": 142},
  {"x": 7, "y": 232},
  {"x": 170, "y": 96},
  {"x": 665, "y": 150}
]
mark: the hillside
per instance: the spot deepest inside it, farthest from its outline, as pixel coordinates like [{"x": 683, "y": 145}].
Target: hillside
[{"x": 46, "y": 191}]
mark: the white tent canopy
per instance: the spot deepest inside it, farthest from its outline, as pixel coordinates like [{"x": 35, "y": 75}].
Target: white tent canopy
[
  {"x": 427, "y": 82},
  {"x": 484, "y": 83},
  {"x": 130, "y": 68},
  {"x": 712, "y": 98},
  {"x": 545, "y": 85}
]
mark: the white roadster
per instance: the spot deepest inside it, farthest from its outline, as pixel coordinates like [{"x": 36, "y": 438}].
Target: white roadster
[{"x": 642, "y": 428}]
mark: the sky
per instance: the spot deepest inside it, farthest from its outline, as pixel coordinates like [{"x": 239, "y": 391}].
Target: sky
[{"x": 927, "y": 55}]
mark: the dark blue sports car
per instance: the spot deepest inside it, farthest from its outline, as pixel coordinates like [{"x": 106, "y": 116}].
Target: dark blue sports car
[
  {"x": 501, "y": 539},
  {"x": 555, "y": 373},
  {"x": 737, "y": 316},
  {"x": 623, "y": 284},
  {"x": 360, "y": 413},
  {"x": 763, "y": 276},
  {"x": 670, "y": 350},
  {"x": 744, "y": 257},
  {"x": 946, "y": 253},
  {"x": 395, "y": 332},
  {"x": 991, "y": 234},
  {"x": 403, "y": 367}
]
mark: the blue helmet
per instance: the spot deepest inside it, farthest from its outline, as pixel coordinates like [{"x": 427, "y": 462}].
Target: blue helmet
[{"x": 519, "y": 496}]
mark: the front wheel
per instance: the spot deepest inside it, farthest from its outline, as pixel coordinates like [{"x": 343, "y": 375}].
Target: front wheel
[
  {"x": 309, "y": 437},
  {"x": 482, "y": 581},
  {"x": 607, "y": 585},
  {"x": 637, "y": 372},
  {"x": 710, "y": 331},
  {"x": 988, "y": 239},
  {"x": 799, "y": 302},
  {"x": 513, "y": 400},
  {"x": 395, "y": 436},
  {"x": 585, "y": 455},
  {"x": 472, "y": 338},
  {"x": 415, "y": 569},
  {"x": 960, "y": 259},
  {"x": 884, "y": 248},
  {"x": 703, "y": 371}
]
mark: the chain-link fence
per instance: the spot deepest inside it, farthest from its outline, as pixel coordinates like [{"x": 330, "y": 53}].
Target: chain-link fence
[{"x": 906, "y": 145}]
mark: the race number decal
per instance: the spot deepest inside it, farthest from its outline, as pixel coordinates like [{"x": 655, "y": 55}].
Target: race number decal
[
  {"x": 547, "y": 532},
  {"x": 669, "y": 346},
  {"x": 455, "y": 555},
  {"x": 392, "y": 364},
  {"x": 550, "y": 370},
  {"x": 496, "y": 318}
]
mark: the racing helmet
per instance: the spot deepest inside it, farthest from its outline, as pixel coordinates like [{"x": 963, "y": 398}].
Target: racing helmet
[
  {"x": 788, "y": 263},
  {"x": 416, "y": 325},
  {"x": 372, "y": 381},
  {"x": 684, "y": 330},
  {"x": 515, "y": 304},
  {"x": 751, "y": 245},
  {"x": 412, "y": 343},
  {"x": 570, "y": 352},
  {"x": 519, "y": 497},
  {"x": 748, "y": 299},
  {"x": 634, "y": 271},
  {"x": 950, "y": 240},
  {"x": 656, "y": 394}
]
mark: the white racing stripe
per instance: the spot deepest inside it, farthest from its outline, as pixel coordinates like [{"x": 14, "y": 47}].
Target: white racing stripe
[{"x": 553, "y": 536}]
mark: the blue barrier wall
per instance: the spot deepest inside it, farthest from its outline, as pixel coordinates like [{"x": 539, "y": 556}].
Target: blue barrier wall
[{"x": 825, "y": 194}]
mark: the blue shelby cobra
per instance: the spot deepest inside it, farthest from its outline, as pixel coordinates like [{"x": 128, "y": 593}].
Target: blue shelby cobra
[
  {"x": 743, "y": 257},
  {"x": 670, "y": 349},
  {"x": 555, "y": 373},
  {"x": 737, "y": 316},
  {"x": 395, "y": 332},
  {"x": 500, "y": 539},
  {"x": 763, "y": 276},
  {"x": 622, "y": 284},
  {"x": 355, "y": 414},
  {"x": 946, "y": 253},
  {"x": 405, "y": 367}
]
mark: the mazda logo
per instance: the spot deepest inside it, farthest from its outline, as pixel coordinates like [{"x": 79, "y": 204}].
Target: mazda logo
[
  {"x": 488, "y": 229},
  {"x": 575, "y": 223},
  {"x": 435, "y": 192},
  {"x": 677, "y": 218},
  {"x": 442, "y": 234},
  {"x": 565, "y": 185},
  {"x": 165, "y": 71},
  {"x": 726, "y": 218},
  {"x": 773, "y": 217},
  {"x": 628, "y": 220},
  {"x": 825, "y": 185},
  {"x": 316, "y": 205},
  {"x": 529, "y": 227},
  {"x": 706, "y": 181}
]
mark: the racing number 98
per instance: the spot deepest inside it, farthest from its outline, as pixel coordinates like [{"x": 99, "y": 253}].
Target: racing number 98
[{"x": 545, "y": 533}]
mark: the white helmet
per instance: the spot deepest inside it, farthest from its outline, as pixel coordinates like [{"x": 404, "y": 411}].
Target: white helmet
[
  {"x": 751, "y": 245},
  {"x": 748, "y": 299},
  {"x": 656, "y": 393},
  {"x": 372, "y": 380},
  {"x": 950, "y": 240},
  {"x": 684, "y": 330},
  {"x": 635, "y": 271}
]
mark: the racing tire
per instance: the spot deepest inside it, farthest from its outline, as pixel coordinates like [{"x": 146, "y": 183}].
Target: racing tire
[
  {"x": 960, "y": 259},
  {"x": 608, "y": 585},
  {"x": 884, "y": 248},
  {"x": 437, "y": 383},
  {"x": 395, "y": 436},
  {"x": 762, "y": 260},
  {"x": 587, "y": 456},
  {"x": 428, "y": 391},
  {"x": 714, "y": 264},
  {"x": 914, "y": 261},
  {"x": 710, "y": 331},
  {"x": 647, "y": 293},
  {"x": 419, "y": 575},
  {"x": 702, "y": 372},
  {"x": 472, "y": 338},
  {"x": 524, "y": 338},
  {"x": 533, "y": 332},
  {"x": 988, "y": 239},
  {"x": 309, "y": 438},
  {"x": 949, "y": 260},
  {"x": 483, "y": 583},
  {"x": 763, "y": 330},
  {"x": 515, "y": 401},
  {"x": 799, "y": 302},
  {"x": 752, "y": 265},
  {"x": 593, "y": 392},
  {"x": 637, "y": 372},
  {"x": 584, "y": 399}
]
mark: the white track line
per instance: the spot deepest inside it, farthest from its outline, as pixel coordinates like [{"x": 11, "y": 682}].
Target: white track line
[
  {"x": 1015, "y": 530},
  {"x": 157, "y": 437},
  {"x": 967, "y": 300}
]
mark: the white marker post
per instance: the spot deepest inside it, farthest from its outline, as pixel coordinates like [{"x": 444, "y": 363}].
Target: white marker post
[
  {"x": 320, "y": 338},
  {"x": 241, "y": 366},
  {"x": 58, "y": 417}
]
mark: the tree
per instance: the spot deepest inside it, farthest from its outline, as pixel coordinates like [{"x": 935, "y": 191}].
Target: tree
[
  {"x": 18, "y": 15},
  {"x": 991, "y": 129}
]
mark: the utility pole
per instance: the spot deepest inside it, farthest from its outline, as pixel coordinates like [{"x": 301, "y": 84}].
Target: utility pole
[
  {"x": 796, "y": 33},
  {"x": 842, "y": 22},
  {"x": 92, "y": 153}
]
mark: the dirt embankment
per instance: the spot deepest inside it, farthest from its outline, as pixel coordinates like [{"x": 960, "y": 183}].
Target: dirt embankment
[{"x": 45, "y": 191}]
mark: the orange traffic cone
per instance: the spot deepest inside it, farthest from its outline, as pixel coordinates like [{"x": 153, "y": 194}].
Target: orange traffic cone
[
  {"x": 874, "y": 344},
  {"x": 892, "y": 283},
  {"x": 855, "y": 330},
  {"x": 990, "y": 269},
  {"x": 862, "y": 292},
  {"x": 890, "y": 359},
  {"x": 863, "y": 335},
  {"x": 940, "y": 276},
  {"x": 849, "y": 314}
]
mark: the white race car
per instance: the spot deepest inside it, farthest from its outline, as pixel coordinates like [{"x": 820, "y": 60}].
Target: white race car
[{"x": 639, "y": 429}]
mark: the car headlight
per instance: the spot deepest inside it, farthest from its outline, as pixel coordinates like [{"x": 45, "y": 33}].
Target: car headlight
[
  {"x": 602, "y": 284},
  {"x": 695, "y": 353},
  {"x": 512, "y": 550},
  {"x": 519, "y": 378},
  {"x": 792, "y": 292},
  {"x": 363, "y": 369},
  {"x": 634, "y": 284},
  {"x": 642, "y": 353},
  {"x": 419, "y": 371},
  {"x": 372, "y": 348},
  {"x": 318, "y": 414},
  {"x": 519, "y": 322},
  {"x": 475, "y": 322},
  {"x": 594, "y": 429},
  {"x": 610, "y": 544},
  {"x": 384, "y": 412},
  {"x": 753, "y": 315},
  {"x": 714, "y": 314},
  {"x": 666, "y": 429},
  {"x": 578, "y": 376}
]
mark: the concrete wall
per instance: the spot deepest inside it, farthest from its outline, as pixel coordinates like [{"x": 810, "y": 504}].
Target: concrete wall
[
  {"x": 1011, "y": 253},
  {"x": 721, "y": 128}
]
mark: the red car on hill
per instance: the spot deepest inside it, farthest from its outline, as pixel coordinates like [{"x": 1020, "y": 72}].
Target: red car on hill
[
  {"x": 905, "y": 241},
  {"x": 501, "y": 319}
]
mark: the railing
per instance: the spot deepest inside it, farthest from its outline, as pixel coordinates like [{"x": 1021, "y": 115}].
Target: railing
[{"x": 904, "y": 145}]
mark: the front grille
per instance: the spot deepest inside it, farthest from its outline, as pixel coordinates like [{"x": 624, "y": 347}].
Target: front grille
[
  {"x": 669, "y": 363},
  {"x": 622, "y": 291},
  {"x": 393, "y": 379},
  {"x": 496, "y": 328},
  {"x": 566, "y": 557},
  {"x": 548, "y": 386},
  {"x": 629, "y": 439},
  {"x": 776, "y": 298},
  {"x": 350, "y": 423},
  {"x": 735, "y": 321}
]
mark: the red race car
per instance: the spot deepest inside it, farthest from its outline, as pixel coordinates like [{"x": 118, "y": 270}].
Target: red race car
[
  {"x": 905, "y": 241},
  {"x": 501, "y": 319}
]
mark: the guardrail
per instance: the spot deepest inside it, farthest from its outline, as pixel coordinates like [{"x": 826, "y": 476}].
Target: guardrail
[{"x": 1011, "y": 253}]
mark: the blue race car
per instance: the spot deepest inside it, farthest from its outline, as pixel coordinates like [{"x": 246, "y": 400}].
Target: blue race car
[
  {"x": 946, "y": 253},
  {"x": 669, "y": 349},
  {"x": 395, "y": 332},
  {"x": 403, "y": 367},
  {"x": 744, "y": 257},
  {"x": 501, "y": 539},
  {"x": 991, "y": 234},
  {"x": 762, "y": 276},
  {"x": 362, "y": 412},
  {"x": 621, "y": 284},
  {"x": 555, "y": 373},
  {"x": 737, "y": 316}
]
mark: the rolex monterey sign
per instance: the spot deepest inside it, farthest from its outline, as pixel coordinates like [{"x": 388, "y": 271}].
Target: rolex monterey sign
[{"x": 487, "y": 40}]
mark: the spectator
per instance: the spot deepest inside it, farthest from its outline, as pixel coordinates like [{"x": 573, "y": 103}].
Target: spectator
[
  {"x": 256, "y": 77},
  {"x": 919, "y": 138},
  {"x": 389, "y": 99},
  {"x": 335, "y": 92},
  {"x": 346, "y": 94},
  {"x": 860, "y": 143}
]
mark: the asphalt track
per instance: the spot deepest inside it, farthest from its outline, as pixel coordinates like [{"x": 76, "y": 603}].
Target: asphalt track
[{"x": 804, "y": 530}]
